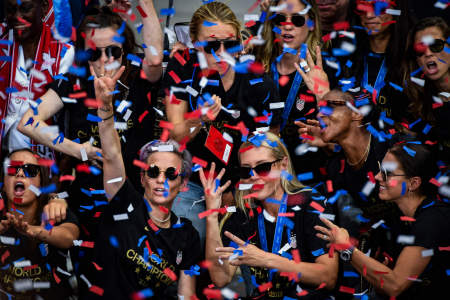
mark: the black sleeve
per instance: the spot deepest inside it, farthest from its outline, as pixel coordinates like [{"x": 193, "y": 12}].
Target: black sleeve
[
  {"x": 429, "y": 228},
  {"x": 311, "y": 219},
  {"x": 70, "y": 218},
  {"x": 184, "y": 73},
  {"x": 236, "y": 224},
  {"x": 126, "y": 195},
  {"x": 192, "y": 253},
  {"x": 62, "y": 87}
]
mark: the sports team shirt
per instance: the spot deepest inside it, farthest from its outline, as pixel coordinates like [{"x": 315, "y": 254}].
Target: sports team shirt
[
  {"x": 302, "y": 238},
  {"x": 122, "y": 249},
  {"x": 249, "y": 96},
  {"x": 25, "y": 260}
]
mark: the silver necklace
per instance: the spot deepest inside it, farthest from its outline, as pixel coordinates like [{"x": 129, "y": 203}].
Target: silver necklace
[{"x": 159, "y": 220}]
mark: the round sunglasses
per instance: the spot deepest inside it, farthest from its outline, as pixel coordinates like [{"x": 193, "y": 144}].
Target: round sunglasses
[
  {"x": 215, "y": 45},
  {"x": 30, "y": 170},
  {"x": 261, "y": 169},
  {"x": 436, "y": 47},
  {"x": 296, "y": 20},
  {"x": 171, "y": 173},
  {"x": 112, "y": 50}
]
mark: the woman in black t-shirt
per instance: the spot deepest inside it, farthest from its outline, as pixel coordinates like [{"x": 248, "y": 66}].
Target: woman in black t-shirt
[
  {"x": 380, "y": 37},
  {"x": 143, "y": 245},
  {"x": 33, "y": 262},
  {"x": 213, "y": 101},
  {"x": 430, "y": 105},
  {"x": 275, "y": 213},
  {"x": 416, "y": 262},
  {"x": 293, "y": 36}
]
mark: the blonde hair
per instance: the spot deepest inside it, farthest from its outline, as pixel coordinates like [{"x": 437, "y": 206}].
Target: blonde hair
[
  {"x": 213, "y": 12},
  {"x": 279, "y": 151},
  {"x": 267, "y": 53}
]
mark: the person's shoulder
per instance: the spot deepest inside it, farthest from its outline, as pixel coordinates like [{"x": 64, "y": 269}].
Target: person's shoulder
[{"x": 433, "y": 211}]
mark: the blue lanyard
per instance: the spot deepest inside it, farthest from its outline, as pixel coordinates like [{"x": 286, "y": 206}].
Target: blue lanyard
[
  {"x": 292, "y": 92},
  {"x": 278, "y": 228},
  {"x": 379, "y": 82}
]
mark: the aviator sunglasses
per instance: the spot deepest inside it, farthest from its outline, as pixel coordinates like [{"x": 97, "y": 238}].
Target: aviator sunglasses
[
  {"x": 280, "y": 19},
  {"x": 215, "y": 45},
  {"x": 436, "y": 47},
  {"x": 30, "y": 170},
  {"x": 114, "y": 51},
  {"x": 153, "y": 172},
  {"x": 261, "y": 169}
]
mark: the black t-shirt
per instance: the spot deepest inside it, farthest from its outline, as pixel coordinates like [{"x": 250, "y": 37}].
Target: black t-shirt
[
  {"x": 309, "y": 246},
  {"x": 430, "y": 231},
  {"x": 303, "y": 108},
  {"x": 45, "y": 263},
  {"x": 122, "y": 249},
  {"x": 391, "y": 101},
  {"x": 73, "y": 122},
  {"x": 248, "y": 93}
]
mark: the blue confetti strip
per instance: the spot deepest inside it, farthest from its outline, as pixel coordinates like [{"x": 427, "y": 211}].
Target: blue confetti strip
[
  {"x": 409, "y": 151},
  {"x": 403, "y": 188},
  {"x": 167, "y": 11},
  {"x": 209, "y": 24}
]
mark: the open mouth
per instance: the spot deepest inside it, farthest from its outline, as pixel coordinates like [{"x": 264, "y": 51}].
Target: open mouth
[
  {"x": 287, "y": 38},
  {"x": 19, "y": 189},
  {"x": 431, "y": 67}
]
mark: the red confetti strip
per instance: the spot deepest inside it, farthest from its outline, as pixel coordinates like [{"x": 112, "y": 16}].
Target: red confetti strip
[
  {"x": 250, "y": 23},
  {"x": 83, "y": 168},
  {"x": 206, "y": 213},
  {"x": 148, "y": 247},
  {"x": 170, "y": 274},
  {"x": 179, "y": 58},
  {"x": 163, "y": 209},
  {"x": 87, "y": 244},
  {"x": 248, "y": 196},
  {"x": 175, "y": 77},
  {"x": 265, "y": 287},
  {"x": 205, "y": 264},
  {"x": 345, "y": 289},
  {"x": 140, "y": 164},
  {"x": 5, "y": 255},
  {"x": 342, "y": 166},
  {"x": 200, "y": 162},
  {"x": 310, "y": 111},
  {"x": 371, "y": 177},
  {"x": 444, "y": 248},
  {"x": 331, "y": 251},
  {"x": 97, "y": 267},
  {"x": 326, "y": 37},
  {"x": 66, "y": 178},
  {"x": 286, "y": 214},
  {"x": 30, "y": 267},
  {"x": 408, "y": 219},
  {"x": 142, "y": 116},
  {"x": 152, "y": 225},
  {"x": 17, "y": 200},
  {"x": 246, "y": 149},
  {"x": 78, "y": 95},
  {"x": 283, "y": 80},
  {"x": 92, "y": 103},
  {"x": 365, "y": 270},
  {"x": 97, "y": 214},
  {"x": 341, "y": 26},
  {"x": 388, "y": 23},
  {"x": 141, "y": 11},
  {"x": 329, "y": 186},
  {"x": 296, "y": 256},
  {"x": 316, "y": 206},
  {"x": 307, "y": 98},
  {"x": 380, "y": 272},
  {"x": 321, "y": 286},
  {"x": 2, "y": 204},
  {"x": 45, "y": 162},
  {"x": 388, "y": 257},
  {"x": 212, "y": 293},
  {"x": 302, "y": 293},
  {"x": 96, "y": 290},
  {"x": 435, "y": 182},
  {"x": 57, "y": 279}
]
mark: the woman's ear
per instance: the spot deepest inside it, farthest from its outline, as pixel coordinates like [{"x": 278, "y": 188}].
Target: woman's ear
[
  {"x": 415, "y": 183},
  {"x": 142, "y": 178},
  {"x": 285, "y": 163}
]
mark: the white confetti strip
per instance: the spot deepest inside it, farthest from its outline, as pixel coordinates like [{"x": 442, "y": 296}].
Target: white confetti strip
[
  {"x": 117, "y": 179},
  {"x": 418, "y": 81},
  {"x": 84, "y": 156},
  {"x": 35, "y": 190},
  {"x": 7, "y": 240},
  {"x": 394, "y": 12},
  {"x": 276, "y": 105},
  {"x": 405, "y": 239},
  {"x": 245, "y": 186},
  {"x": 428, "y": 252},
  {"x": 120, "y": 217},
  {"x": 22, "y": 263}
]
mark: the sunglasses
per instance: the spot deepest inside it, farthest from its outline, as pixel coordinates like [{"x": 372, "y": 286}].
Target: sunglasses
[
  {"x": 154, "y": 171},
  {"x": 30, "y": 170},
  {"x": 280, "y": 19},
  {"x": 114, "y": 51},
  {"x": 261, "y": 169},
  {"x": 436, "y": 47},
  {"x": 215, "y": 45},
  {"x": 385, "y": 174},
  {"x": 335, "y": 103}
]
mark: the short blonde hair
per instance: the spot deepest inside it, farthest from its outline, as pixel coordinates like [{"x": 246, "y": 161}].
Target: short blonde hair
[{"x": 213, "y": 12}]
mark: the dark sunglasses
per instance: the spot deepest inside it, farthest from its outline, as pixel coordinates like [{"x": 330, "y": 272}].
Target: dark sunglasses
[
  {"x": 436, "y": 47},
  {"x": 114, "y": 51},
  {"x": 297, "y": 20},
  {"x": 30, "y": 170},
  {"x": 153, "y": 172},
  {"x": 385, "y": 174},
  {"x": 215, "y": 45},
  {"x": 261, "y": 169}
]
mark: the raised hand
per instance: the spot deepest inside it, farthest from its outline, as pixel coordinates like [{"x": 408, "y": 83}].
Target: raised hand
[
  {"x": 105, "y": 82},
  {"x": 213, "y": 192},
  {"x": 312, "y": 128},
  {"x": 314, "y": 76},
  {"x": 24, "y": 228},
  {"x": 213, "y": 110},
  {"x": 56, "y": 210},
  {"x": 5, "y": 225},
  {"x": 250, "y": 256},
  {"x": 333, "y": 234}
]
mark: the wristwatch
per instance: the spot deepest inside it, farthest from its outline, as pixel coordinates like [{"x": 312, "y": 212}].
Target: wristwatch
[{"x": 346, "y": 255}]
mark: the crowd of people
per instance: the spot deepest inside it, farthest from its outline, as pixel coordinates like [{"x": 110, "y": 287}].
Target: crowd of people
[{"x": 303, "y": 155}]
